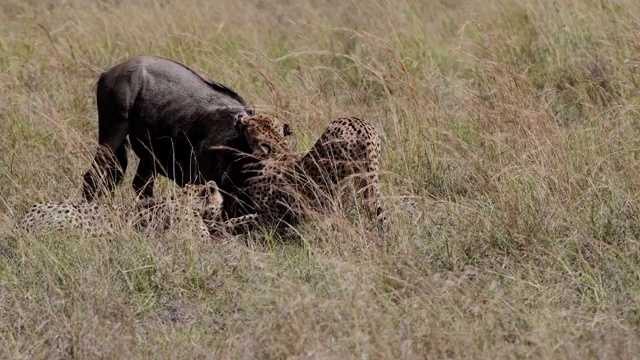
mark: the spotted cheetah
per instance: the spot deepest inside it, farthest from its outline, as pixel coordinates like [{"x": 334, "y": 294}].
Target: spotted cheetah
[
  {"x": 235, "y": 203},
  {"x": 199, "y": 206},
  {"x": 282, "y": 185}
]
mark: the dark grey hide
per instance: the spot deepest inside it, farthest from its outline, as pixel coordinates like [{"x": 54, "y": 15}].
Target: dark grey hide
[{"x": 173, "y": 117}]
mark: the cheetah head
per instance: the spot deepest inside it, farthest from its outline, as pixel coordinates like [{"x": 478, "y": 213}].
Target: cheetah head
[
  {"x": 206, "y": 199},
  {"x": 266, "y": 135}
]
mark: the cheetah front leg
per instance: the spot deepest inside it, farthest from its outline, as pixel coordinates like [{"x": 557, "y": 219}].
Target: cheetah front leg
[
  {"x": 370, "y": 196},
  {"x": 232, "y": 225},
  {"x": 235, "y": 224},
  {"x": 204, "y": 234}
]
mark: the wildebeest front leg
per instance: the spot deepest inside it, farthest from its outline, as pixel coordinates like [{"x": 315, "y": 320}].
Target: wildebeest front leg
[{"x": 144, "y": 179}]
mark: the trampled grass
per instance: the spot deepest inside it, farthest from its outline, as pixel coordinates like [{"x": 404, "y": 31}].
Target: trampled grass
[{"x": 511, "y": 149}]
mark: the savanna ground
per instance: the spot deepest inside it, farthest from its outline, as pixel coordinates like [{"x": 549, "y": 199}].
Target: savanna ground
[{"x": 511, "y": 150}]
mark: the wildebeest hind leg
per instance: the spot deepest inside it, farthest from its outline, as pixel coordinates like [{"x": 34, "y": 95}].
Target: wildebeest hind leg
[
  {"x": 117, "y": 169},
  {"x": 144, "y": 179},
  {"x": 110, "y": 161},
  {"x": 106, "y": 171}
]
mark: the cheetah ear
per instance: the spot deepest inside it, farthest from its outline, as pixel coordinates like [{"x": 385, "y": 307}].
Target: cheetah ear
[
  {"x": 147, "y": 203},
  {"x": 204, "y": 192},
  {"x": 286, "y": 129},
  {"x": 266, "y": 149},
  {"x": 211, "y": 186},
  {"x": 240, "y": 121}
]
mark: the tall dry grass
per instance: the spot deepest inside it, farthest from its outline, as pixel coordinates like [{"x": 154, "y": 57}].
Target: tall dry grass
[{"x": 510, "y": 172}]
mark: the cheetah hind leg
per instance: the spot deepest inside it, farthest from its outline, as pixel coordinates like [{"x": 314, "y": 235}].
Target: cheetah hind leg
[
  {"x": 369, "y": 186},
  {"x": 204, "y": 232}
]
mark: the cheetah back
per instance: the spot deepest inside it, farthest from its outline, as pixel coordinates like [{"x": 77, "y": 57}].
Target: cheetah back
[
  {"x": 91, "y": 219},
  {"x": 198, "y": 204}
]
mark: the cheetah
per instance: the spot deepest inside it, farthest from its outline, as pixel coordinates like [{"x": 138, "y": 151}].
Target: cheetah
[
  {"x": 237, "y": 203},
  {"x": 198, "y": 205},
  {"x": 282, "y": 184}
]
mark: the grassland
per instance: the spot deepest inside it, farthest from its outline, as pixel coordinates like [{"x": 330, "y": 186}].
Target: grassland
[{"x": 510, "y": 172}]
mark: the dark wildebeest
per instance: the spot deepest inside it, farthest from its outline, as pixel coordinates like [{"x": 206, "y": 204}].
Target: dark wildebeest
[{"x": 173, "y": 117}]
